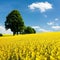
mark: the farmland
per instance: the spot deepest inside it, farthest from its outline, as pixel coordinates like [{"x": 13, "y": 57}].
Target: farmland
[{"x": 41, "y": 46}]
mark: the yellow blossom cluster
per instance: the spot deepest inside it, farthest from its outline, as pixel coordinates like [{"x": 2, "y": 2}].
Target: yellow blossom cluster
[{"x": 42, "y": 46}]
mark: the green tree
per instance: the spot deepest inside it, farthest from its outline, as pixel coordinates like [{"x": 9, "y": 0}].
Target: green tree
[
  {"x": 14, "y": 22},
  {"x": 29, "y": 30},
  {"x": 34, "y": 31}
]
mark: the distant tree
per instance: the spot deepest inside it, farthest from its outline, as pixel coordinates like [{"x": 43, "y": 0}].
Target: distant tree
[
  {"x": 34, "y": 31},
  {"x": 1, "y": 34},
  {"x": 29, "y": 30},
  {"x": 14, "y": 22}
]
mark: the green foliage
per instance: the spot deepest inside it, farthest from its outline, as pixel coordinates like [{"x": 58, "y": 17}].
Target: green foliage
[
  {"x": 1, "y": 34},
  {"x": 29, "y": 30},
  {"x": 34, "y": 31},
  {"x": 14, "y": 22}
]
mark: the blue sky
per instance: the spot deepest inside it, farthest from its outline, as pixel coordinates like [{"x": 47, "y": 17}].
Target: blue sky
[{"x": 43, "y": 15}]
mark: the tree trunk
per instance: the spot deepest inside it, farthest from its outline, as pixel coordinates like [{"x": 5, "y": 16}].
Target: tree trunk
[
  {"x": 13, "y": 33},
  {"x": 17, "y": 33}
]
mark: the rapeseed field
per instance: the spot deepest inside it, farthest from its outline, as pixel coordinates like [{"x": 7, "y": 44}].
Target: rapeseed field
[{"x": 42, "y": 46}]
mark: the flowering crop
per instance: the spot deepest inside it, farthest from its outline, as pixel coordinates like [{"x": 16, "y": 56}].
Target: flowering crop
[{"x": 43, "y": 46}]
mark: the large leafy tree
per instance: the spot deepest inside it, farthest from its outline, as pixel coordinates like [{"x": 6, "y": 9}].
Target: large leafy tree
[
  {"x": 14, "y": 22},
  {"x": 29, "y": 30}
]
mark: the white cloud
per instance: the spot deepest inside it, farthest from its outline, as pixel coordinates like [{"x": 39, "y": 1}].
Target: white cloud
[
  {"x": 56, "y": 27},
  {"x": 39, "y": 29},
  {"x": 50, "y": 23},
  {"x": 3, "y": 31},
  {"x": 53, "y": 23},
  {"x": 56, "y": 19},
  {"x": 42, "y": 6},
  {"x": 36, "y": 27},
  {"x": 43, "y": 30}
]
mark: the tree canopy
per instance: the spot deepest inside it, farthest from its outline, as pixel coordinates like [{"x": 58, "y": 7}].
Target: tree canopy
[
  {"x": 29, "y": 30},
  {"x": 14, "y": 22}
]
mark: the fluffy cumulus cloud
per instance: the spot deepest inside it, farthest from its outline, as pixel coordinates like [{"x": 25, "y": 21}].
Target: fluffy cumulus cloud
[
  {"x": 42, "y": 6},
  {"x": 50, "y": 23},
  {"x": 39, "y": 29},
  {"x": 43, "y": 30},
  {"x": 36, "y": 27},
  {"x": 54, "y": 22},
  {"x": 56, "y": 19},
  {"x": 4, "y": 31},
  {"x": 56, "y": 27}
]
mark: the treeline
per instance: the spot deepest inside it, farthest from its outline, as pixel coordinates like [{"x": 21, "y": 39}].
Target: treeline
[{"x": 15, "y": 22}]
